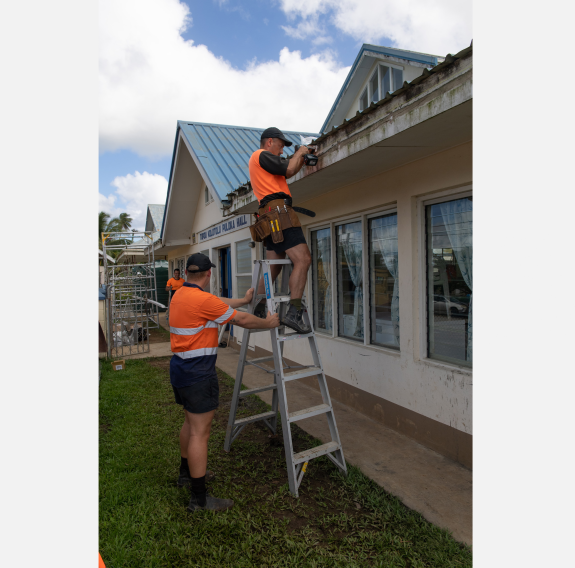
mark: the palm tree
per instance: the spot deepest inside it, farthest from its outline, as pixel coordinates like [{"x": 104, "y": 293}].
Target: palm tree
[{"x": 124, "y": 222}]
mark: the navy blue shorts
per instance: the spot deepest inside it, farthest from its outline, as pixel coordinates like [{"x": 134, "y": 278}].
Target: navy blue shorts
[
  {"x": 292, "y": 237},
  {"x": 203, "y": 396}
]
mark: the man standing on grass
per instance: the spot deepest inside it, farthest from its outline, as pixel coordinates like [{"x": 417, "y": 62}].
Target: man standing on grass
[
  {"x": 175, "y": 283},
  {"x": 194, "y": 319}
]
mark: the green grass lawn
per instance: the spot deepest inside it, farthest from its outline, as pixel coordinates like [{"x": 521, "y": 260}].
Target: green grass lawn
[{"x": 336, "y": 522}]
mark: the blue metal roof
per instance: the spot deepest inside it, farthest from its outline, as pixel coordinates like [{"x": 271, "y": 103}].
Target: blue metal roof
[
  {"x": 224, "y": 151},
  {"x": 425, "y": 58}
]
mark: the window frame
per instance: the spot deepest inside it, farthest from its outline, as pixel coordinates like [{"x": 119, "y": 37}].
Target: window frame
[
  {"x": 208, "y": 194},
  {"x": 388, "y": 211},
  {"x": 235, "y": 267},
  {"x": 368, "y": 88},
  {"x": 422, "y": 203},
  {"x": 331, "y": 224},
  {"x": 311, "y": 305}
]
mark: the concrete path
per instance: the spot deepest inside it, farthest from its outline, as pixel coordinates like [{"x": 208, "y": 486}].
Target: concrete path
[{"x": 436, "y": 487}]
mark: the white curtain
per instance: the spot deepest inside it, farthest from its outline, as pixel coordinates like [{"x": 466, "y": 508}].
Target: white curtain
[
  {"x": 324, "y": 254},
  {"x": 458, "y": 220},
  {"x": 385, "y": 242},
  {"x": 353, "y": 258}
]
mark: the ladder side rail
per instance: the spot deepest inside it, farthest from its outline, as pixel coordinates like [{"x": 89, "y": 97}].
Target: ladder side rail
[
  {"x": 237, "y": 389},
  {"x": 286, "y": 429},
  {"x": 322, "y": 382}
]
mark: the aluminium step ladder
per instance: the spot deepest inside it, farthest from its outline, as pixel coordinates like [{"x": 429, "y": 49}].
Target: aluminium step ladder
[{"x": 296, "y": 463}]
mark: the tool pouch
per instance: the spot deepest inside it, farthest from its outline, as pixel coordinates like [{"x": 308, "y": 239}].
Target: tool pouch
[
  {"x": 275, "y": 227},
  {"x": 260, "y": 229},
  {"x": 295, "y": 222},
  {"x": 285, "y": 220}
]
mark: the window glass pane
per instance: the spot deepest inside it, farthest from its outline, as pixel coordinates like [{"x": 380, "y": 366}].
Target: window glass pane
[
  {"x": 450, "y": 280},
  {"x": 243, "y": 285},
  {"x": 397, "y": 78},
  {"x": 321, "y": 279},
  {"x": 383, "y": 283},
  {"x": 363, "y": 101},
  {"x": 373, "y": 83},
  {"x": 385, "y": 80},
  {"x": 350, "y": 281},
  {"x": 243, "y": 258}
]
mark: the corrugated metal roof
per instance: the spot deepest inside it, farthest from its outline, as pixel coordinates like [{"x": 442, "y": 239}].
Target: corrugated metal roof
[
  {"x": 224, "y": 151},
  {"x": 449, "y": 60},
  {"x": 157, "y": 214}
]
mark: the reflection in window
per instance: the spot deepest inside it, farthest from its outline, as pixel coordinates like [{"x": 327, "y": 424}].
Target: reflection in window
[
  {"x": 450, "y": 280},
  {"x": 321, "y": 279},
  {"x": 350, "y": 280},
  {"x": 243, "y": 267},
  {"x": 363, "y": 101},
  {"x": 385, "y": 80},
  {"x": 397, "y": 78},
  {"x": 384, "y": 289},
  {"x": 374, "y": 87}
]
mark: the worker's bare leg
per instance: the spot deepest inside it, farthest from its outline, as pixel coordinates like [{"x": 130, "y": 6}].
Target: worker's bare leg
[
  {"x": 198, "y": 433},
  {"x": 301, "y": 258}
]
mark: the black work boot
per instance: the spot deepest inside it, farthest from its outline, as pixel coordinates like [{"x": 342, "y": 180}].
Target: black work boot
[
  {"x": 185, "y": 480},
  {"x": 294, "y": 320},
  {"x": 211, "y": 504}
]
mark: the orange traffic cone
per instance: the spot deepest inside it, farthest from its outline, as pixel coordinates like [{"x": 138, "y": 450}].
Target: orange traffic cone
[{"x": 100, "y": 562}]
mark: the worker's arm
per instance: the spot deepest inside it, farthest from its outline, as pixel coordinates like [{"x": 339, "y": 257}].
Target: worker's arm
[
  {"x": 233, "y": 303},
  {"x": 296, "y": 162},
  {"x": 249, "y": 321},
  {"x": 168, "y": 288}
]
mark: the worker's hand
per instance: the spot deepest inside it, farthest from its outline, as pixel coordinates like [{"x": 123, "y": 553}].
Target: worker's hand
[
  {"x": 272, "y": 320},
  {"x": 303, "y": 150},
  {"x": 249, "y": 295}
]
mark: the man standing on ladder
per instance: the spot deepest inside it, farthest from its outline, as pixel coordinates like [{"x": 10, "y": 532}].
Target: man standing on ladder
[
  {"x": 268, "y": 174},
  {"x": 194, "y": 319}
]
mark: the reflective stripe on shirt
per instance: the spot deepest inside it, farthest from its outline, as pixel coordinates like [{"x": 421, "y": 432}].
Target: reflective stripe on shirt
[{"x": 197, "y": 353}]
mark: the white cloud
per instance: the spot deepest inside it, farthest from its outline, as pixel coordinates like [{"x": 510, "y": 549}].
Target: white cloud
[
  {"x": 150, "y": 77},
  {"x": 308, "y": 28},
  {"x": 133, "y": 194},
  {"x": 431, "y": 26}
]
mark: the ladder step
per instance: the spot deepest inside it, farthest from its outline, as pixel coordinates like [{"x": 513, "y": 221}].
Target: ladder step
[
  {"x": 308, "y": 412},
  {"x": 255, "y": 390},
  {"x": 291, "y": 336},
  {"x": 315, "y": 452},
  {"x": 274, "y": 261},
  {"x": 294, "y": 375},
  {"x": 254, "y": 418},
  {"x": 258, "y": 360}
]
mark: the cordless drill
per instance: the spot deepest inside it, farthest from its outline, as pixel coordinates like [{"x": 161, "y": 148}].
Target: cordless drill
[{"x": 308, "y": 159}]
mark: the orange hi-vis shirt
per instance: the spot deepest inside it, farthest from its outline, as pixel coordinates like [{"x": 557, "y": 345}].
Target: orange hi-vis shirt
[
  {"x": 175, "y": 284},
  {"x": 264, "y": 182},
  {"x": 194, "y": 319}
]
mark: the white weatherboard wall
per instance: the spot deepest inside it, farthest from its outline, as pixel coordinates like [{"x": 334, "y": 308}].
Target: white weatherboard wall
[
  {"x": 437, "y": 390},
  {"x": 207, "y": 217}
]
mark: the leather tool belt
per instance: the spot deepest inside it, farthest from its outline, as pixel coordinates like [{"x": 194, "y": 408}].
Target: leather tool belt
[{"x": 272, "y": 220}]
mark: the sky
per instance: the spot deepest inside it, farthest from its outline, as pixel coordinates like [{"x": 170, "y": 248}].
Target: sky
[{"x": 243, "y": 62}]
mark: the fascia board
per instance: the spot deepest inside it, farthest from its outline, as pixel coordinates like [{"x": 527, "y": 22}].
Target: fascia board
[{"x": 172, "y": 169}]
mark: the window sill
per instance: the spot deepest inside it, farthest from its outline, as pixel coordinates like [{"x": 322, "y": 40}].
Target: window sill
[
  {"x": 446, "y": 366},
  {"x": 375, "y": 348}
]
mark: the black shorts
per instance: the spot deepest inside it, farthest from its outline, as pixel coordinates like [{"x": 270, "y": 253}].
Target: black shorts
[
  {"x": 292, "y": 237},
  {"x": 203, "y": 396}
]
